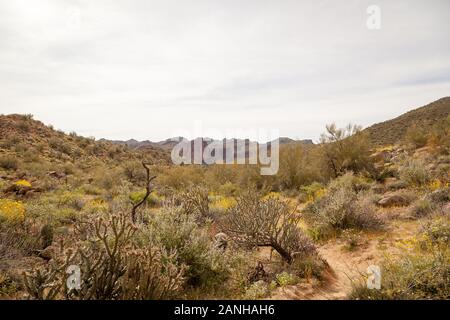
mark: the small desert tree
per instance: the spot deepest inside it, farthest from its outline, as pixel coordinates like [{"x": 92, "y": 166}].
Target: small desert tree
[
  {"x": 346, "y": 149},
  {"x": 254, "y": 222},
  {"x": 416, "y": 136},
  {"x": 298, "y": 166},
  {"x": 439, "y": 137}
]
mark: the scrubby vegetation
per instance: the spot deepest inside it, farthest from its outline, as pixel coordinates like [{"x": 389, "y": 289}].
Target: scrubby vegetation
[
  {"x": 140, "y": 228},
  {"x": 346, "y": 204},
  {"x": 267, "y": 223},
  {"x": 394, "y": 131},
  {"x": 420, "y": 272}
]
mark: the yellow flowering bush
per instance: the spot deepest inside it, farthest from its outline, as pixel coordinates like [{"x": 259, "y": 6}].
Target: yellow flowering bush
[
  {"x": 435, "y": 184},
  {"x": 23, "y": 183},
  {"x": 313, "y": 192},
  {"x": 224, "y": 203},
  {"x": 97, "y": 205},
  {"x": 11, "y": 210}
]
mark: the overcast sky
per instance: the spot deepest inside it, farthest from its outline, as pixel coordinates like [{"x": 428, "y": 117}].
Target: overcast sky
[{"x": 145, "y": 69}]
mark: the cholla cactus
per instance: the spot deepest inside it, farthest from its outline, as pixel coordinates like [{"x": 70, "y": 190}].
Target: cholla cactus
[
  {"x": 196, "y": 201},
  {"x": 46, "y": 283},
  {"x": 151, "y": 275},
  {"x": 112, "y": 266}
]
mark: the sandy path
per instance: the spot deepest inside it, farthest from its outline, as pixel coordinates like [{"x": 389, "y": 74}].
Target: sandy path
[{"x": 347, "y": 266}]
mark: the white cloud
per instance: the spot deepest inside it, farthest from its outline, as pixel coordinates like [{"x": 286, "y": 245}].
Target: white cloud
[{"x": 143, "y": 69}]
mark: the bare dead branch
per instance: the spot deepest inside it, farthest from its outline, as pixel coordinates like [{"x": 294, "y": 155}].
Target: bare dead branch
[{"x": 148, "y": 191}]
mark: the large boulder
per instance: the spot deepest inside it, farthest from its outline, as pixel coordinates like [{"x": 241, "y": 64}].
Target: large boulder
[
  {"x": 394, "y": 200},
  {"x": 221, "y": 240}
]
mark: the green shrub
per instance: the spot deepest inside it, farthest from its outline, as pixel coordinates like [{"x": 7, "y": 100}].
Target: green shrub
[
  {"x": 92, "y": 190},
  {"x": 134, "y": 171},
  {"x": 299, "y": 165},
  {"x": 229, "y": 189},
  {"x": 440, "y": 136},
  {"x": 106, "y": 178},
  {"x": 286, "y": 279},
  {"x": 60, "y": 145},
  {"x": 351, "y": 239},
  {"x": 24, "y": 125},
  {"x": 311, "y": 192},
  {"x": 9, "y": 142},
  {"x": 69, "y": 168},
  {"x": 342, "y": 207},
  {"x": 421, "y": 208},
  {"x": 257, "y": 290},
  {"x": 206, "y": 265},
  {"x": 153, "y": 199},
  {"x": 415, "y": 173},
  {"x": 437, "y": 230},
  {"x": 66, "y": 215},
  {"x": 416, "y": 136},
  {"x": 71, "y": 200},
  {"x": 307, "y": 267},
  {"x": 439, "y": 196},
  {"x": 347, "y": 149},
  {"x": 9, "y": 162}
]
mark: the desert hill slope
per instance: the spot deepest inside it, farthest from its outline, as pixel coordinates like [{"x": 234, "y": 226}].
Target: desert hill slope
[
  {"x": 22, "y": 136},
  {"x": 393, "y": 131}
]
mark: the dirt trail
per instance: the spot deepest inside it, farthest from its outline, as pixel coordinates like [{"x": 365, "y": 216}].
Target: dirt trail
[
  {"x": 344, "y": 267},
  {"x": 347, "y": 266}
]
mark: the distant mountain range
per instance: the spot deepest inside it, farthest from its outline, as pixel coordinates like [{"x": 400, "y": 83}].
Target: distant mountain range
[
  {"x": 383, "y": 133},
  {"x": 170, "y": 143},
  {"x": 21, "y": 131}
]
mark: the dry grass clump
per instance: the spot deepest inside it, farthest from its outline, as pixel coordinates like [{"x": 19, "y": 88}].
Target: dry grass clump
[
  {"x": 433, "y": 202},
  {"x": 9, "y": 162},
  {"x": 415, "y": 173},
  {"x": 421, "y": 208}
]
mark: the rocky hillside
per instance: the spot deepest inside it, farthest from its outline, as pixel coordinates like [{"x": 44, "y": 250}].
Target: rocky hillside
[
  {"x": 393, "y": 131},
  {"x": 26, "y": 138}
]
